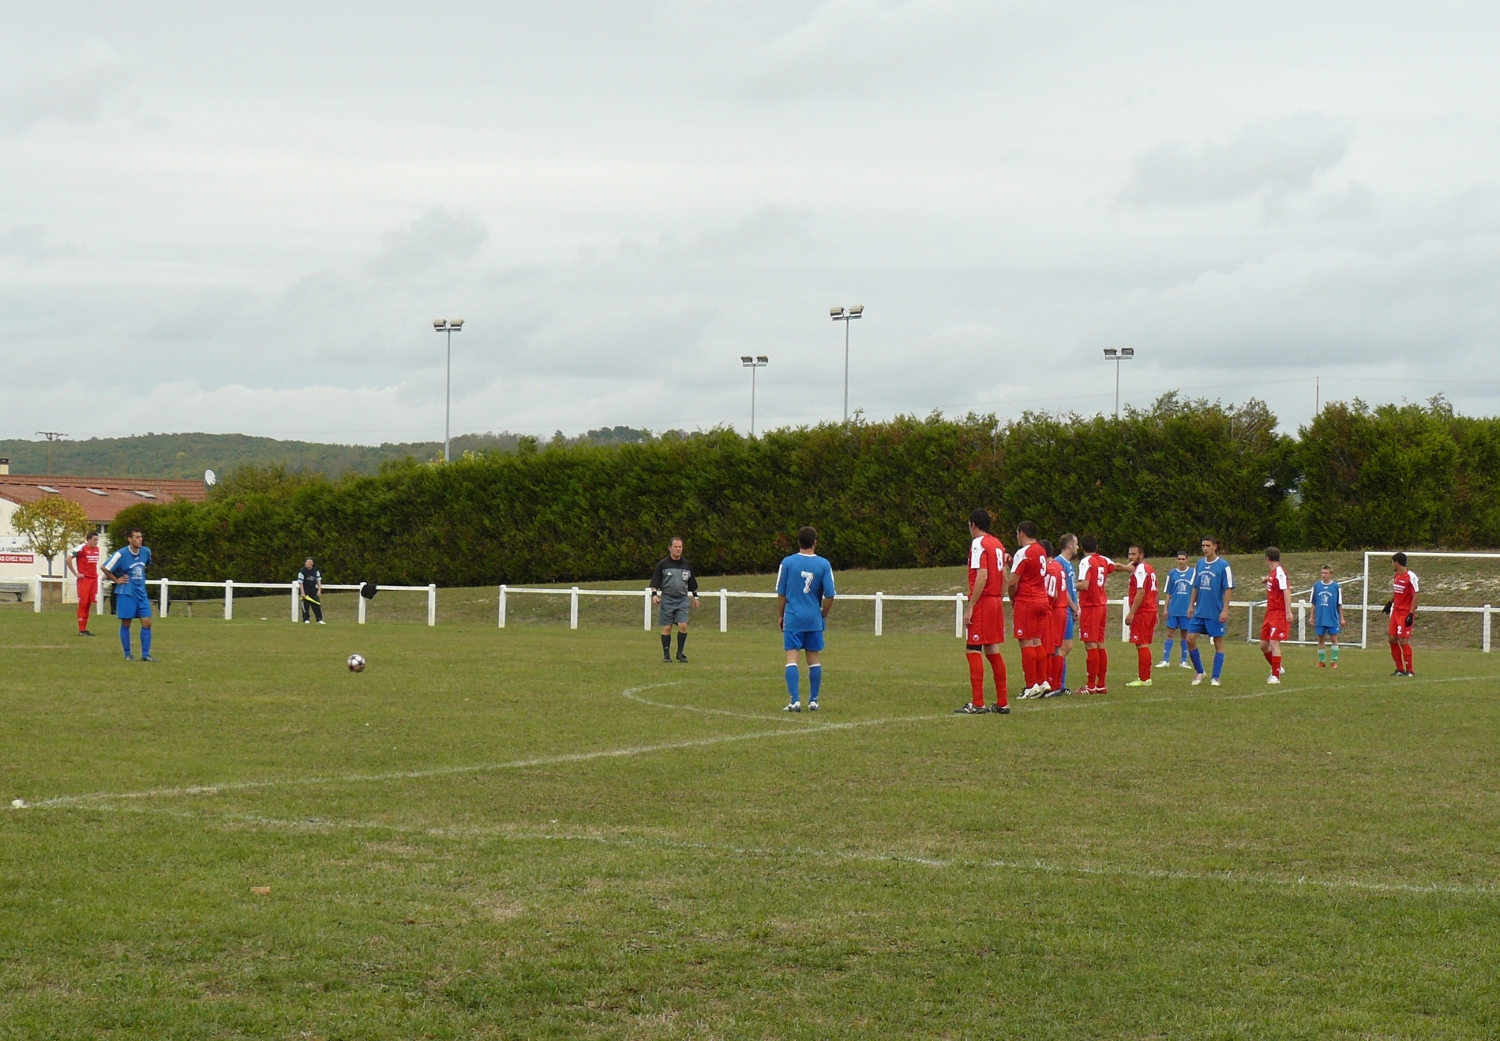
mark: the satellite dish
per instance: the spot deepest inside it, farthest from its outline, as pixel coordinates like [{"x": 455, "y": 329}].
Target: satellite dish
[{"x": 209, "y": 478}]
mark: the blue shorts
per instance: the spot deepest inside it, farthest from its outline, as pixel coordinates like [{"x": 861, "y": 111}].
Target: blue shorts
[
  {"x": 1178, "y": 622},
  {"x": 128, "y": 607},
  {"x": 1206, "y": 626},
  {"x": 809, "y": 640},
  {"x": 1328, "y": 630},
  {"x": 1068, "y": 629}
]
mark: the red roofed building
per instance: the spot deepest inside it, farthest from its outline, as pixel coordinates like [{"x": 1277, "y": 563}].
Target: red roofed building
[{"x": 101, "y": 498}]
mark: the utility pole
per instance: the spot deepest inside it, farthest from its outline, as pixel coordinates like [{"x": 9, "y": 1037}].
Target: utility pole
[
  {"x": 1117, "y": 356},
  {"x": 839, "y": 314},
  {"x": 51, "y": 436},
  {"x": 443, "y": 325}
]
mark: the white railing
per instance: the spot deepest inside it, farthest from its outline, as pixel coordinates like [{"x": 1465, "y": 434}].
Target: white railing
[{"x": 574, "y": 593}]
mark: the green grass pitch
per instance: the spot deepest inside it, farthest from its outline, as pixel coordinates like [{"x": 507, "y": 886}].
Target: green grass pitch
[{"x": 543, "y": 833}]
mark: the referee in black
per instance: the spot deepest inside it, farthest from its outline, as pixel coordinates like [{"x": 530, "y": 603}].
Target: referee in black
[{"x": 673, "y": 585}]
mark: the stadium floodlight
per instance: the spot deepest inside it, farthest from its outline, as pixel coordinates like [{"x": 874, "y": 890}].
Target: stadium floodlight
[
  {"x": 760, "y": 361},
  {"x": 1117, "y": 356},
  {"x": 449, "y": 327},
  {"x": 839, "y": 314}
]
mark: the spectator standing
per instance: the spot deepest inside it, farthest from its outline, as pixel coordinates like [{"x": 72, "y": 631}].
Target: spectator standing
[{"x": 311, "y": 580}]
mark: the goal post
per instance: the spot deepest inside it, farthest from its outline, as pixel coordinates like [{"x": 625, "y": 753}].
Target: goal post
[{"x": 1483, "y": 611}]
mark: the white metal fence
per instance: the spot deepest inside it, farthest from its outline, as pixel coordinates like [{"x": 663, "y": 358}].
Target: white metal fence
[{"x": 574, "y": 594}]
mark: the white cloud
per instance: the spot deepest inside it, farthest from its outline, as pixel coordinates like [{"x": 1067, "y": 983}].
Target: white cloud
[{"x": 76, "y": 90}]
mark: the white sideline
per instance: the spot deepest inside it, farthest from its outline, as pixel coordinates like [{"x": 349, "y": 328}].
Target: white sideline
[
  {"x": 852, "y": 856},
  {"x": 632, "y": 693}
]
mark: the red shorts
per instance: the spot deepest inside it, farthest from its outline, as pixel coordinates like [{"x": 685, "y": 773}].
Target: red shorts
[
  {"x": 1398, "y": 628},
  {"x": 987, "y": 623},
  {"x": 1031, "y": 618},
  {"x": 1057, "y": 621},
  {"x": 1143, "y": 628},
  {"x": 1091, "y": 622},
  {"x": 1274, "y": 628}
]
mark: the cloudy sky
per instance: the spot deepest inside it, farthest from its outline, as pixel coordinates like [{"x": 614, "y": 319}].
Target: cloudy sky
[{"x": 245, "y": 217}]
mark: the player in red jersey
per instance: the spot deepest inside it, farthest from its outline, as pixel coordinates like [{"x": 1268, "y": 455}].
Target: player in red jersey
[
  {"x": 84, "y": 563},
  {"x": 1403, "y": 609},
  {"x": 1056, "y": 580},
  {"x": 1141, "y": 615},
  {"x": 1275, "y": 628},
  {"x": 984, "y": 617},
  {"x": 1093, "y": 604},
  {"x": 1030, "y": 607}
]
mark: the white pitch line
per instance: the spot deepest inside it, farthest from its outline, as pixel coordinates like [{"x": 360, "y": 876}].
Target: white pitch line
[
  {"x": 1051, "y": 704},
  {"x": 853, "y": 856}
]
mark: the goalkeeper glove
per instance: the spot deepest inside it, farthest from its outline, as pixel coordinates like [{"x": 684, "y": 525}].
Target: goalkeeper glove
[
  {"x": 1387, "y": 608},
  {"x": 1410, "y": 618}
]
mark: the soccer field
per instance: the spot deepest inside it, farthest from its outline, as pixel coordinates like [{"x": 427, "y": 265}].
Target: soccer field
[{"x": 543, "y": 833}]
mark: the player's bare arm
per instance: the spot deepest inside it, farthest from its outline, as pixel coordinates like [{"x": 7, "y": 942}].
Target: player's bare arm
[{"x": 981, "y": 577}]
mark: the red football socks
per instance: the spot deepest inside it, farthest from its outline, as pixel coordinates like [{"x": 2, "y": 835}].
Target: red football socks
[
  {"x": 976, "y": 677},
  {"x": 1406, "y": 653},
  {"x": 1276, "y": 665},
  {"x": 997, "y": 666},
  {"x": 1143, "y": 662},
  {"x": 1398, "y": 657},
  {"x": 1103, "y": 669}
]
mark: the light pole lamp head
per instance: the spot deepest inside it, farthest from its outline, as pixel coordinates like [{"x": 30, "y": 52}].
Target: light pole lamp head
[
  {"x": 835, "y": 313},
  {"x": 856, "y": 311},
  {"x": 456, "y": 325},
  {"x": 761, "y": 359},
  {"x": 440, "y": 324},
  {"x": 1127, "y": 353},
  {"x": 745, "y": 359},
  {"x": 1111, "y": 353}
]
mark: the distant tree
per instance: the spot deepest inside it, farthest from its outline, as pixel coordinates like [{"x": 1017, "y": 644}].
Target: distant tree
[{"x": 51, "y": 525}]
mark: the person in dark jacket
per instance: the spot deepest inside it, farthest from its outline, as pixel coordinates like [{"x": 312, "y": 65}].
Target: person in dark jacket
[{"x": 673, "y": 587}]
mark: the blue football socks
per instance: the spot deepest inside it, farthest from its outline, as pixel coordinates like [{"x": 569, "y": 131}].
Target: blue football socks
[
  {"x": 1218, "y": 664},
  {"x": 145, "y": 642},
  {"x": 1197, "y": 661},
  {"x": 814, "y": 681},
  {"x": 1183, "y": 645},
  {"x": 792, "y": 684},
  {"x": 1166, "y": 651},
  {"x": 125, "y": 638}
]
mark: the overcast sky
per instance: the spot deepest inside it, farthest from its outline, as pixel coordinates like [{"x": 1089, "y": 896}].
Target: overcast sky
[{"x": 243, "y": 218}]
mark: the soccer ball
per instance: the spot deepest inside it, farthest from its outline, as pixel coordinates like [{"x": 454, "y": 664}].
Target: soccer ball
[{"x": 356, "y": 663}]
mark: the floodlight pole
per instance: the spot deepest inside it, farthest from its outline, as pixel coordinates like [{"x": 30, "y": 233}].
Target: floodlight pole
[
  {"x": 443, "y": 325},
  {"x": 1117, "y": 356},
  {"x": 839, "y": 314},
  {"x": 752, "y": 363}
]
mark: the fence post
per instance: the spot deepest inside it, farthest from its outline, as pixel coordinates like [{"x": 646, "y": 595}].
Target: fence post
[
  {"x": 502, "y": 605},
  {"x": 1486, "y": 628},
  {"x": 958, "y": 615},
  {"x": 294, "y": 603},
  {"x": 361, "y": 599},
  {"x": 432, "y": 603},
  {"x": 99, "y": 596},
  {"x": 1301, "y": 623},
  {"x": 36, "y": 593},
  {"x": 723, "y": 610},
  {"x": 1124, "y": 625},
  {"x": 228, "y": 599},
  {"x": 1250, "y": 622},
  {"x": 165, "y": 598},
  {"x": 573, "y": 608},
  {"x": 879, "y": 613},
  {"x": 647, "y": 620}
]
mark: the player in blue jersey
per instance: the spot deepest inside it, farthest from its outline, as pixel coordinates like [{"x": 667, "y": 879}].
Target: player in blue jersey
[
  {"x": 1208, "y": 608},
  {"x": 1177, "y": 584},
  {"x": 126, "y": 568},
  {"x": 1068, "y": 549},
  {"x": 1328, "y": 615},
  {"x": 804, "y": 596}
]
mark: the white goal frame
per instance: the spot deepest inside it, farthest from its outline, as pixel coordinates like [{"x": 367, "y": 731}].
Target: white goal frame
[{"x": 1364, "y": 607}]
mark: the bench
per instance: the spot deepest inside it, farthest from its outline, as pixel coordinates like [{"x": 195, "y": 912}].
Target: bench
[{"x": 21, "y": 590}]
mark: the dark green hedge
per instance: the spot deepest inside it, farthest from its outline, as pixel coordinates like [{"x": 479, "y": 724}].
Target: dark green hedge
[{"x": 882, "y": 495}]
